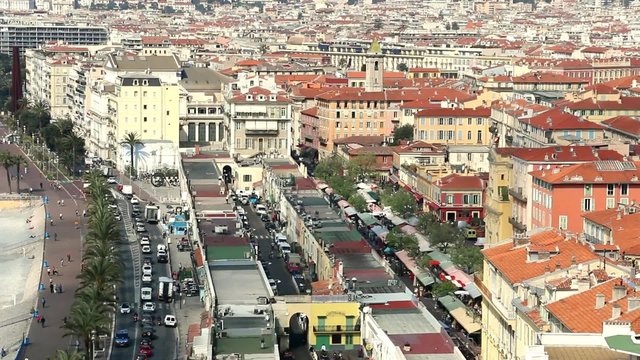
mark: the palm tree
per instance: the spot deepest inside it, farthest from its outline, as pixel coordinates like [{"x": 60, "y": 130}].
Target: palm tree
[
  {"x": 86, "y": 320},
  {"x": 132, "y": 140},
  {"x": 74, "y": 142},
  {"x": 66, "y": 355},
  {"x": 19, "y": 161},
  {"x": 100, "y": 272},
  {"x": 99, "y": 249},
  {"x": 7, "y": 161},
  {"x": 94, "y": 295}
]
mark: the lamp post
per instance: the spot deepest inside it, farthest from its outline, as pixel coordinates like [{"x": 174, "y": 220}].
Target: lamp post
[{"x": 93, "y": 344}]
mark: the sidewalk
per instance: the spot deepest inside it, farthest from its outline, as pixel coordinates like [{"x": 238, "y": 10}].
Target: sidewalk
[
  {"x": 189, "y": 310},
  {"x": 45, "y": 341}
]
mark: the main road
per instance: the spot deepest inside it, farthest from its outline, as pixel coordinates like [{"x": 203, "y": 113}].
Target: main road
[{"x": 164, "y": 345}]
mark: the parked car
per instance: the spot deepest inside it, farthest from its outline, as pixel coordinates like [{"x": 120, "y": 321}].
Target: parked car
[
  {"x": 147, "y": 269},
  {"x": 145, "y": 350},
  {"x": 146, "y": 249},
  {"x": 112, "y": 180},
  {"x": 141, "y": 228},
  {"x": 144, "y": 240},
  {"x": 147, "y": 278},
  {"x": 149, "y": 307}
]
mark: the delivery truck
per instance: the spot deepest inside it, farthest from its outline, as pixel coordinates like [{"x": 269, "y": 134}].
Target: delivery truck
[
  {"x": 152, "y": 213},
  {"x": 127, "y": 191},
  {"x": 165, "y": 289}
]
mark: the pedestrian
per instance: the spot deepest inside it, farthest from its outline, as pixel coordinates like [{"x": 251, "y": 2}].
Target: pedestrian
[
  {"x": 39, "y": 318},
  {"x": 68, "y": 257},
  {"x": 60, "y": 216},
  {"x": 58, "y": 202},
  {"x": 61, "y": 201},
  {"x": 64, "y": 320},
  {"x": 25, "y": 170},
  {"x": 55, "y": 236},
  {"x": 77, "y": 213},
  {"x": 61, "y": 262},
  {"x": 44, "y": 302},
  {"x": 59, "y": 288},
  {"x": 40, "y": 186},
  {"x": 48, "y": 271},
  {"x": 51, "y": 222},
  {"x": 42, "y": 321},
  {"x": 52, "y": 287},
  {"x": 84, "y": 213}
]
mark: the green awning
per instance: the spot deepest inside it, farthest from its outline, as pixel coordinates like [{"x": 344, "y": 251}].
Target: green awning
[
  {"x": 450, "y": 303},
  {"x": 442, "y": 258},
  {"x": 425, "y": 278},
  {"x": 624, "y": 344},
  {"x": 368, "y": 219},
  {"x": 374, "y": 195}
]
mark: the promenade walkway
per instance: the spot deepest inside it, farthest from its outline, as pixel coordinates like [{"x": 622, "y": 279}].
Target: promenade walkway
[{"x": 46, "y": 340}]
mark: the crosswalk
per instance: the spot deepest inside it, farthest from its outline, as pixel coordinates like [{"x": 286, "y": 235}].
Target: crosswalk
[{"x": 262, "y": 237}]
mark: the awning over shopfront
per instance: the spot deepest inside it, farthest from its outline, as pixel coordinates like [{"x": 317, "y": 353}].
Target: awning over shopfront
[
  {"x": 349, "y": 211},
  {"x": 368, "y": 219},
  {"x": 450, "y": 303},
  {"x": 473, "y": 290},
  {"x": 467, "y": 322},
  {"x": 423, "y": 243},
  {"x": 443, "y": 259},
  {"x": 423, "y": 277},
  {"x": 328, "y": 191},
  {"x": 380, "y": 231},
  {"x": 395, "y": 220},
  {"x": 408, "y": 230},
  {"x": 367, "y": 198},
  {"x": 393, "y": 178},
  {"x": 374, "y": 195},
  {"x": 343, "y": 204},
  {"x": 458, "y": 275}
]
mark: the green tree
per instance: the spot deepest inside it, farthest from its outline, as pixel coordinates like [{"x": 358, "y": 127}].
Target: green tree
[
  {"x": 7, "y": 161},
  {"x": 402, "y": 67},
  {"x": 426, "y": 221},
  {"x": 398, "y": 240},
  {"x": 401, "y": 202},
  {"x": 358, "y": 202},
  {"x": 100, "y": 272},
  {"x": 328, "y": 167},
  {"x": 403, "y": 132},
  {"x": 342, "y": 185},
  {"x": 342, "y": 63},
  {"x": 362, "y": 167},
  {"x": 168, "y": 9},
  {"x": 443, "y": 288},
  {"x": 467, "y": 258},
  {"x": 76, "y": 144},
  {"x": 85, "y": 321},
  {"x": 445, "y": 236},
  {"x": 132, "y": 141},
  {"x": 69, "y": 355}
]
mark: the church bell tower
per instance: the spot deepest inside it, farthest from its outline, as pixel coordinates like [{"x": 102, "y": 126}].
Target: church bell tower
[{"x": 374, "y": 78}]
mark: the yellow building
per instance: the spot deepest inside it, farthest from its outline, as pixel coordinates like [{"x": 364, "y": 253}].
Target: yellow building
[
  {"x": 333, "y": 324},
  {"x": 498, "y": 205},
  {"x": 453, "y": 126},
  {"x": 142, "y": 104}
]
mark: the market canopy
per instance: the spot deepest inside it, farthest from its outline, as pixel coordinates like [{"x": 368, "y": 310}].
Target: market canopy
[
  {"x": 461, "y": 315},
  {"x": 423, "y": 277},
  {"x": 368, "y": 219}
]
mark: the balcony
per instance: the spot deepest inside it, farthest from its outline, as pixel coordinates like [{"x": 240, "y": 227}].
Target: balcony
[
  {"x": 502, "y": 309},
  {"x": 477, "y": 279},
  {"x": 333, "y": 329},
  {"x": 518, "y": 194},
  {"x": 517, "y": 224}
]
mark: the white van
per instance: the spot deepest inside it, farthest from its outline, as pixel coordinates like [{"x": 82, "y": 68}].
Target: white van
[
  {"x": 162, "y": 248},
  {"x": 261, "y": 209},
  {"x": 280, "y": 238},
  {"x": 146, "y": 294},
  {"x": 285, "y": 248}
]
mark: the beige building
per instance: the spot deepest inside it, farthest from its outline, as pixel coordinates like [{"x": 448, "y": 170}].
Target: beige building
[
  {"x": 497, "y": 203},
  {"x": 47, "y": 75},
  {"x": 202, "y": 108}
]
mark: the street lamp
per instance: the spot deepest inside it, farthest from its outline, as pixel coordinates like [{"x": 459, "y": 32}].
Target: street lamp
[{"x": 93, "y": 344}]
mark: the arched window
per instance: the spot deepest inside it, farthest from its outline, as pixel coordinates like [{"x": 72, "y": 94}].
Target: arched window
[{"x": 375, "y": 66}]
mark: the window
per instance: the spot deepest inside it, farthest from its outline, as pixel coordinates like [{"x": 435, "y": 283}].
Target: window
[
  {"x": 337, "y": 114},
  {"x": 144, "y": 107},
  {"x": 476, "y": 199},
  {"x": 144, "y": 119},
  {"x": 469, "y": 135},
  {"x": 610, "y": 189},
  {"x": 563, "y": 222},
  {"x": 449, "y": 199},
  {"x": 338, "y": 124},
  {"x": 238, "y": 125},
  {"x": 588, "y": 190},
  {"x": 246, "y": 178},
  {"x": 587, "y": 204},
  {"x": 337, "y": 338},
  {"x": 624, "y": 189},
  {"x": 465, "y": 199},
  {"x": 611, "y": 203},
  {"x": 479, "y": 136},
  {"x": 248, "y": 144},
  {"x": 479, "y": 121},
  {"x": 381, "y": 125}
]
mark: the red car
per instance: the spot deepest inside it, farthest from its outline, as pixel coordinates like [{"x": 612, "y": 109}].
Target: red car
[{"x": 145, "y": 350}]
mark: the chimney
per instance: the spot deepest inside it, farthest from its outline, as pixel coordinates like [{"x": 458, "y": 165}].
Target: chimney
[
  {"x": 583, "y": 285},
  {"x": 634, "y": 304},
  {"x": 599, "y": 301},
  {"x": 616, "y": 311},
  {"x": 618, "y": 292},
  {"x": 558, "y": 266}
]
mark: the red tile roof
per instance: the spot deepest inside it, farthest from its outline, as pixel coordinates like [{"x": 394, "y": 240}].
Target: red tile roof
[
  {"x": 561, "y": 154},
  {"x": 460, "y": 182},
  {"x": 626, "y": 124},
  {"x": 512, "y": 261},
  {"x": 600, "y": 172},
  {"x": 579, "y": 314},
  {"x": 625, "y": 103},
  {"x": 625, "y": 228},
  {"x": 557, "y": 119},
  {"x": 424, "y": 343}
]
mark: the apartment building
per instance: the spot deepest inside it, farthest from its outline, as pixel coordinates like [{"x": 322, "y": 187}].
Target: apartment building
[
  {"x": 166, "y": 67},
  {"x": 527, "y": 160},
  {"x": 33, "y": 35},
  {"x": 47, "y": 75},
  {"x": 562, "y": 195},
  {"x": 556, "y": 126},
  {"x": 622, "y": 128},
  {"x": 258, "y": 121},
  {"x": 453, "y": 125},
  {"x": 143, "y": 105},
  {"x": 457, "y": 197},
  {"x": 202, "y": 119}
]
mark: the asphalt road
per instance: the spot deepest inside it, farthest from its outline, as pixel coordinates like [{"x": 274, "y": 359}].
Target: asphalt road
[
  {"x": 277, "y": 267},
  {"x": 164, "y": 345}
]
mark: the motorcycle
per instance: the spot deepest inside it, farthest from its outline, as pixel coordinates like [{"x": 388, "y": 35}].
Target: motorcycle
[{"x": 135, "y": 317}]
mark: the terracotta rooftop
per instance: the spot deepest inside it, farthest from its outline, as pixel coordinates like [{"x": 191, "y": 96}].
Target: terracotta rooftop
[
  {"x": 625, "y": 124},
  {"x": 601, "y": 172},
  {"x": 557, "y": 119},
  {"x": 561, "y": 154},
  {"x": 625, "y": 228},
  {"x": 460, "y": 182},
  {"x": 579, "y": 314},
  {"x": 512, "y": 261}
]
